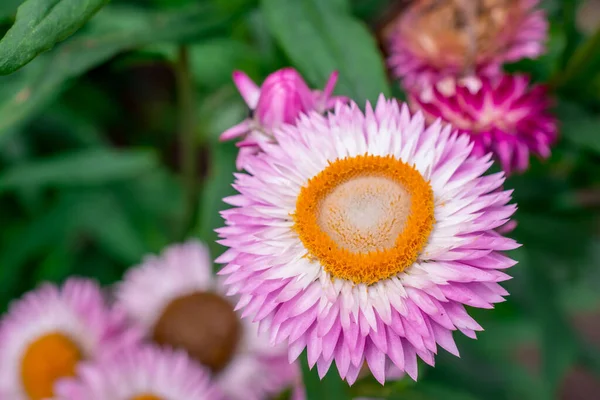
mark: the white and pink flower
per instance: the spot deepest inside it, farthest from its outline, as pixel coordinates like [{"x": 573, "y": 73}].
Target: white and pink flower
[
  {"x": 144, "y": 373},
  {"x": 177, "y": 302},
  {"x": 51, "y": 330},
  {"x": 363, "y": 236}
]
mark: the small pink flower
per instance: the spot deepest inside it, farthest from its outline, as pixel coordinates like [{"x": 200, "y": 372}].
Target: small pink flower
[
  {"x": 283, "y": 96},
  {"x": 243, "y": 363},
  {"x": 503, "y": 115},
  {"x": 438, "y": 38},
  {"x": 48, "y": 332},
  {"x": 145, "y": 372}
]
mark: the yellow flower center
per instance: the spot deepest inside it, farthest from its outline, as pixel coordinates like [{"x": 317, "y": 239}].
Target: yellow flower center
[
  {"x": 46, "y": 360},
  {"x": 459, "y": 32},
  {"x": 365, "y": 218},
  {"x": 147, "y": 397},
  {"x": 202, "y": 323}
]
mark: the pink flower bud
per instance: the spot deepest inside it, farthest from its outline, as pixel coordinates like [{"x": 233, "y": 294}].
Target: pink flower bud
[{"x": 281, "y": 99}]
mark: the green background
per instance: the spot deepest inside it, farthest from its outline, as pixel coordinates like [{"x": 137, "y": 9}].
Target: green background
[{"x": 109, "y": 150}]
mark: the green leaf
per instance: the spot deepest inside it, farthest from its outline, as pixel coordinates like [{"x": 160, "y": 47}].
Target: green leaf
[
  {"x": 320, "y": 37},
  {"x": 330, "y": 387},
  {"x": 153, "y": 203},
  {"x": 39, "y": 25},
  {"x": 70, "y": 124},
  {"x": 213, "y": 60},
  {"x": 57, "y": 265},
  {"x": 579, "y": 126},
  {"x": 86, "y": 167},
  {"x": 46, "y": 231},
  {"x": 113, "y": 31},
  {"x": 558, "y": 340},
  {"x": 111, "y": 227}
]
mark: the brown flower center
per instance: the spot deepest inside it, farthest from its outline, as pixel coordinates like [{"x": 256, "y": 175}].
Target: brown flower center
[
  {"x": 147, "y": 397},
  {"x": 204, "y": 324}
]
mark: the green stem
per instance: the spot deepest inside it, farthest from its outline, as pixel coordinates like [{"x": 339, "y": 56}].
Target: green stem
[{"x": 187, "y": 142}]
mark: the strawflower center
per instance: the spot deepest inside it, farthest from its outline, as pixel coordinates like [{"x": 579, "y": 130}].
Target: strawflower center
[
  {"x": 147, "y": 397},
  {"x": 365, "y": 218},
  {"x": 45, "y": 361},
  {"x": 459, "y": 32},
  {"x": 202, "y": 323}
]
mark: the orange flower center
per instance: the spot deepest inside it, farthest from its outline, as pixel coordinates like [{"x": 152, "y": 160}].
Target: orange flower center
[
  {"x": 365, "y": 218},
  {"x": 46, "y": 360},
  {"x": 147, "y": 397},
  {"x": 459, "y": 32},
  {"x": 202, "y": 323}
]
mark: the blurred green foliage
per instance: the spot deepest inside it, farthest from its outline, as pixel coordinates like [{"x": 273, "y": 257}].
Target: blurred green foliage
[{"x": 93, "y": 174}]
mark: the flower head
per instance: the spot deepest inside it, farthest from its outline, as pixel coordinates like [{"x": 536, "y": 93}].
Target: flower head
[
  {"x": 141, "y": 373},
  {"x": 188, "y": 310},
  {"x": 282, "y": 97},
  {"x": 503, "y": 115},
  {"x": 434, "y": 39},
  {"x": 48, "y": 332},
  {"x": 362, "y": 236}
]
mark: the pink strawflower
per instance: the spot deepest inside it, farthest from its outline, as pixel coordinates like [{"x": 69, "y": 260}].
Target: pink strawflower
[
  {"x": 434, "y": 39},
  {"x": 175, "y": 299},
  {"x": 503, "y": 115},
  {"x": 282, "y": 97},
  {"x": 143, "y": 373},
  {"x": 362, "y": 236},
  {"x": 49, "y": 331}
]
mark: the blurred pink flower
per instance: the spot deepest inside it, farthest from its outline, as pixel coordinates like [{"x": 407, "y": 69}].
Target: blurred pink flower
[
  {"x": 145, "y": 372},
  {"x": 434, "y": 39},
  {"x": 283, "y": 96},
  {"x": 188, "y": 309},
  {"x": 48, "y": 332},
  {"x": 503, "y": 115}
]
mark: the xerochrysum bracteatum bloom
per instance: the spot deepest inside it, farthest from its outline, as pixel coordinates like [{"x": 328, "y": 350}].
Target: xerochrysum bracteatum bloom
[
  {"x": 50, "y": 331},
  {"x": 283, "y": 96},
  {"x": 362, "y": 236},
  {"x": 141, "y": 373},
  {"x": 188, "y": 310},
  {"x": 503, "y": 115},
  {"x": 434, "y": 39}
]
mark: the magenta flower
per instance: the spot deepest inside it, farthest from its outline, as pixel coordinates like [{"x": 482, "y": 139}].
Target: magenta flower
[
  {"x": 362, "y": 236},
  {"x": 434, "y": 39},
  {"x": 502, "y": 115},
  {"x": 282, "y": 97},
  {"x": 141, "y": 373},
  {"x": 48, "y": 332},
  {"x": 188, "y": 309}
]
